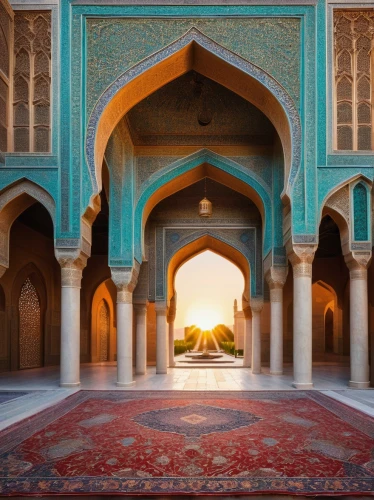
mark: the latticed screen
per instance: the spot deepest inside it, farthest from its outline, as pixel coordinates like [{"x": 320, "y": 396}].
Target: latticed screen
[
  {"x": 32, "y": 76},
  {"x": 354, "y": 55},
  {"x": 104, "y": 330},
  {"x": 5, "y": 29},
  {"x": 30, "y": 335}
]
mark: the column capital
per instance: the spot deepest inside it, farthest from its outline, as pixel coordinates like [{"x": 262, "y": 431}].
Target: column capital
[
  {"x": 358, "y": 263},
  {"x": 301, "y": 257},
  {"x": 72, "y": 262},
  {"x": 257, "y": 304},
  {"x": 125, "y": 279},
  {"x": 276, "y": 277},
  {"x": 140, "y": 307},
  {"x": 161, "y": 308}
]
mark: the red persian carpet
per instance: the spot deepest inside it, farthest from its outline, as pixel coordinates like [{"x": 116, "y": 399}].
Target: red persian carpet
[{"x": 137, "y": 442}]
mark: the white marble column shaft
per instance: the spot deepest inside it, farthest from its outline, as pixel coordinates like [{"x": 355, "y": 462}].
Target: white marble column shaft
[
  {"x": 276, "y": 277},
  {"x": 70, "y": 326},
  {"x": 171, "y": 344},
  {"x": 125, "y": 280},
  {"x": 141, "y": 338},
  {"x": 301, "y": 261},
  {"x": 359, "y": 332},
  {"x": 161, "y": 338},
  {"x": 124, "y": 339},
  {"x": 256, "y": 307},
  {"x": 247, "y": 357}
]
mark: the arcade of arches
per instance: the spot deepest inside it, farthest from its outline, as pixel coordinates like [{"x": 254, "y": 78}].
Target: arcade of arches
[{"x": 313, "y": 306}]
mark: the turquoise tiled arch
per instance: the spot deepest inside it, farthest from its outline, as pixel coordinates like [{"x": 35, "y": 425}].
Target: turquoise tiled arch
[{"x": 174, "y": 170}]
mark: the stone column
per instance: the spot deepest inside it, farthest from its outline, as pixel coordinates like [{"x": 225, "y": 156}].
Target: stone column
[
  {"x": 247, "y": 357},
  {"x": 301, "y": 259},
  {"x": 276, "y": 278},
  {"x": 359, "y": 336},
  {"x": 171, "y": 318},
  {"x": 256, "y": 307},
  {"x": 141, "y": 338},
  {"x": 125, "y": 280},
  {"x": 161, "y": 338},
  {"x": 71, "y": 277}
]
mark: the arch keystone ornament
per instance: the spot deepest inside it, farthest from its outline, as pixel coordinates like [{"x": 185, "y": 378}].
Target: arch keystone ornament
[
  {"x": 194, "y": 51},
  {"x": 301, "y": 258},
  {"x": 358, "y": 263},
  {"x": 125, "y": 279}
]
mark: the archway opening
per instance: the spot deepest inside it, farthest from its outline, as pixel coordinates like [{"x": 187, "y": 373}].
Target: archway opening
[
  {"x": 330, "y": 278},
  {"x": 207, "y": 303},
  {"x": 103, "y": 324},
  {"x": 30, "y": 309}
]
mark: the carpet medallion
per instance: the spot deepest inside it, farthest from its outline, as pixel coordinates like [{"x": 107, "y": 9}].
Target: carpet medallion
[{"x": 190, "y": 443}]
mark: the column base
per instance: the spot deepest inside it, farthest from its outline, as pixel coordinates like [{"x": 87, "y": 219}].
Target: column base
[
  {"x": 141, "y": 373},
  {"x": 171, "y": 365},
  {"x": 246, "y": 366},
  {"x": 358, "y": 385},
  {"x": 68, "y": 384},
  {"x": 161, "y": 372},
  {"x": 276, "y": 373},
  {"x": 302, "y": 386},
  {"x": 256, "y": 372},
  {"x": 125, "y": 384}
]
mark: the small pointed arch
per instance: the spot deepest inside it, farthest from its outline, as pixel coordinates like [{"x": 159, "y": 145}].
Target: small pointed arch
[
  {"x": 13, "y": 201},
  {"x": 29, "y": 299},
  {"x": 22, "y": 62},
  {"x": 191, "y": 169},
  {"x": 42, "y": 63},
  {"x": 197, "y": 246},
  {"x": 345, "y": 61},
  {"x": 21, "y": 89},
  {"x": 103, "y": 332},
  {"x": 363, "y": 89},
  {"x": 41, "y": 87},
  {"x": 344, "y": 42},
  {"x": 344, "y": 88},
  {"x": 196, "y": 51}
]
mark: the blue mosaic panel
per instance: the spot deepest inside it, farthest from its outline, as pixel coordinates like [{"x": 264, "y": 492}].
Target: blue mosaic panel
[
  {"x": 196, "y": 420},
  {"x": 361, "y": 227}
]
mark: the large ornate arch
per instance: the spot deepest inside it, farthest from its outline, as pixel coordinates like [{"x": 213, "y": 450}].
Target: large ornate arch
[
  {"x": 196, "y": 51},
  {"x": 199, "y": 245},
  {"x": 13, "y": 201},
  {"x": 189, "y": 170}
]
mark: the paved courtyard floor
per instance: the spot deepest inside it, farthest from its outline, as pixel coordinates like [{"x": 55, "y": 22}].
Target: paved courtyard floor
[{"x": 42, "y": 385}]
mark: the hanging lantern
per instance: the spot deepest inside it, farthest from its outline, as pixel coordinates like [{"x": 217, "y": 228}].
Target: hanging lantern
[{"x": 205, "y": 206}]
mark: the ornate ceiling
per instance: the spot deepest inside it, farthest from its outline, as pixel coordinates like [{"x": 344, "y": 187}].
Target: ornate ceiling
[{"x": 194, "y": 110}]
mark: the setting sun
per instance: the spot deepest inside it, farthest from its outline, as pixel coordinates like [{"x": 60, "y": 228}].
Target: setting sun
[
  {"x": 203, "y": 316},
  {"x": 206, "y": 287}
]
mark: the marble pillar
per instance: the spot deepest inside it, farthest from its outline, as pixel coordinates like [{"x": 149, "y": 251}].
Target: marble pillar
[
  {"x": 71, "y": 277},
  {"x": 141, "y": 338},
  {"x": 276, "y": 278},
  {"x": 125, "y": 280},
  {"x": 172, "y": 311},
  {"x": 359, "y": 328},
  {"x": 256, "y": 307},
  {"x": 301, "y": 259},
  {"x": 247, "y": 355},
  {"x": 161, "y": 338}
]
